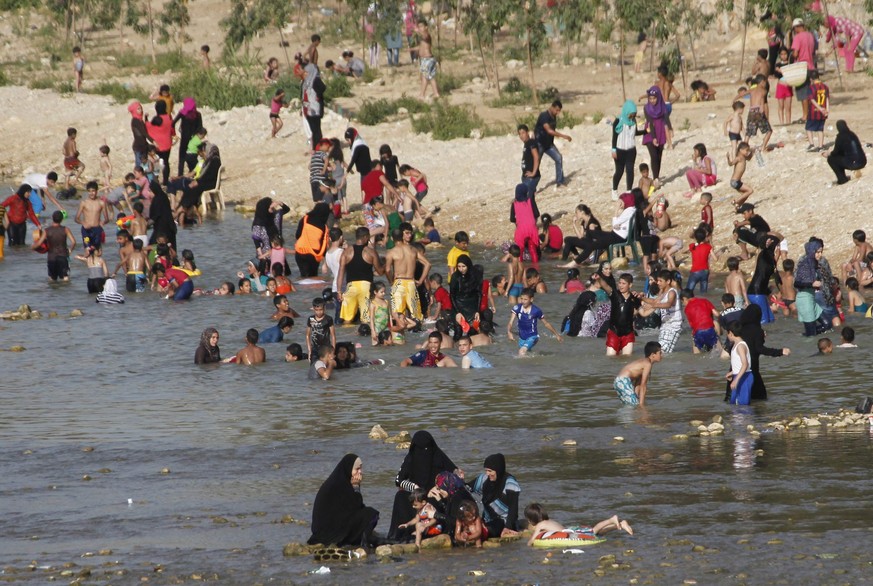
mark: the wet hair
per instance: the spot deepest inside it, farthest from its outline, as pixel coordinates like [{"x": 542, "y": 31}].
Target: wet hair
[
  {"x": 626, "y": 277},
  {"x": 57, "y": 216},
  {"x": 285, "y": 322},
  {"x": 278, "y": 269},
  {"x": 230, "y": 288},
  {"x": 462, "y": 236},
  {"x": 137, "y": 244},
  {"x": 252, "y": 336},
  {"x": 686, "y": 294},
  {"x": 728, "y": 299},
  {"x": 735, "y": 328},
  {"x": 159, "y": 268},
  {"x": 733, "y": 263},
  {"x": 534, "y": 513},
  {"x": 486, "y": 327},
  {"x": 515, "y": 250},
  {"x": 496, "y": 280},
  {"x": 859, "y": 235},
  {"x": 324, "y": 350},
  {"x": 318, "y": 302},
  {"x": 270, "y": 279},
  {"x": 572, "y": 274},
  {"x": 92, "y": 185},
  {"x": 528, "y": 292},
  {"x": 296, "y": 350},
  {"x": 241, "y": 283},
  {"x": 742, "y": 145},
  {"x": 667, "y": 275},
  {"x": 138, "y": 207},
  {"x": 383, "y": 337},
  {"x": 364, "y": 330},
  {"x": 278, "y": 299},
  {"x": 788, "y": 267},
  {"x": 848, "y": 334},
  {"x": 651, "y": 348},
  {"x": 738, "y": 105},
  {"x": 376, "y": 287},
  {"x": 436, "y": 278},
  {"x": 418, "y": 494},
  {"x": 824, "y": 344},
  {"x": 531, "y": 273},
  {"x": 468, "y": 511},
  {"x": 436, "y": 335},
  {"x": 852, "y": 283}
]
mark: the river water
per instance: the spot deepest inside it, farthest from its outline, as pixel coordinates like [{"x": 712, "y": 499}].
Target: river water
[{"x": 114, "y": 396}]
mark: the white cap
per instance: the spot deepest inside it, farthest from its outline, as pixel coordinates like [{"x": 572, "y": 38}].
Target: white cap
[{"x": 797, "y": 22}]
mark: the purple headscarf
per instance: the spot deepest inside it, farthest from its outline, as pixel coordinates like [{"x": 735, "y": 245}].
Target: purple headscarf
[{"x": 658, "y": 109}]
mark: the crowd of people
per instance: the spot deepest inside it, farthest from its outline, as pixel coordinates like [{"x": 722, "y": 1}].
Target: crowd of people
[{"x": 455, "y": 306}]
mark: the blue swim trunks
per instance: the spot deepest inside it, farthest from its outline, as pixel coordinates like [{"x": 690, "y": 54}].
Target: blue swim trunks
[
  {"x": 705, "y": 340},
  {"x": 528, "y": 343},
  {"x": 515, "y": 290},
  {"x": 624, "y": 387}
]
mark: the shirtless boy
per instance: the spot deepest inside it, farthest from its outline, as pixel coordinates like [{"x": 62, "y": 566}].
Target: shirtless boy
[
  {"x": 738, "y": 162},
  {"x": 92, "y": 214},
  {"x": 426, "y": 63},
  {"x": 733, "y": 126},
  {"x": 854, "y": 267},
  {"x": 72, "y": 163},
  {"x": 400, "y": 268},
  {"x": 757, "y": 119},
  {"x": 252, "y": 353},
  {"x": 139, "y": 225},
  {"x": 137, "y": 268},
  {"x": 515, "y": 273},
  {"x": 630, "y": 384},
  {"x": 735, "y": 283}
]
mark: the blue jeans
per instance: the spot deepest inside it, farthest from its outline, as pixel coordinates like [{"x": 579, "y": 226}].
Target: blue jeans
[
  {"x": 531, "y": 184},
  {"x": 701, "y": 277},
  {"x": 553, "y": 153}
]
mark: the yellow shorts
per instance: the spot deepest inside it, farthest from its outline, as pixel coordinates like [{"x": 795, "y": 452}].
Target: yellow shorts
[
  {"x": 404, "y": 296},
  {"x": 356, "y": 299}
]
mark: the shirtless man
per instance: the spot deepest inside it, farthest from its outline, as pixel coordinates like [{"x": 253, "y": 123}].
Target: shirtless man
[
  {"x": 357, "y": 265},
  {"x": 92, "y": 215},
  {"x": 426, "y": 63},
  {"x": 400, "y": 269},
  {"x": 757, "y": 119},
  {"x": 630, "y": 384},
  {"x": 252, "y": 353},
  {"x": 72, "y": 164}
]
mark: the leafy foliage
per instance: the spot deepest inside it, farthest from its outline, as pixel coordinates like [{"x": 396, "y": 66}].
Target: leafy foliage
[{"x": 447, "y": 122}]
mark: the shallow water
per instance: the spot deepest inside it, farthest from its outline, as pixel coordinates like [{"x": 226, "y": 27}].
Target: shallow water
[{"x": 247, "y": 446}]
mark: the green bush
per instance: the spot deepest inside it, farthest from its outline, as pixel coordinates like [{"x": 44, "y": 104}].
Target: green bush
[
  {"x": 371, "y": 74},
  {"x": 4, "y": 79},
  {"x": 131, "y": 59},
  {"x": 565, "y": 120},
  {"x": 218, "y": 91},
  {"x": 448, "y": 122},
  {"x": 173, "y": 61},
  {"x": 41, "y": 83},
  {"x": 64, "y": 87},
  {"x": 597, "y": 117},
  {"x": 412, "y": 105},
  {"x": 338, "y": 86},
  {"x": 288, "y": 82},
  {"x": 447, "y": 83},
  {"x": 120, "y": 92},
  {"x": 373, "y": 112}
]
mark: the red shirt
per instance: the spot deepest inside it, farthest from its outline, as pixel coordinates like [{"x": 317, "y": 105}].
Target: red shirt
[
  {"x": 700, "y": 256},
  {"x": 19, "y": 210},
  {"x": 555, "y": 240},
  {"x": 818, "y": 93},
  {"x": 699, "y": 314},
  {"x": 163, "y": 134},
  {"x": 486, "y": 294},
  {"x": 441, "y": 296},
  {"x": 177, "y": 275},
  {"x": 706, "y": 216},
  {"x": 371, "y": 185}
]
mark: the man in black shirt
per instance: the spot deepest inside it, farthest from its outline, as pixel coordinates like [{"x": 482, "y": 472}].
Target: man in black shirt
[
  {"x": 620, "y": 336},
  {"x": 748, "y": 231},
  {"x": 545, "y": 133},
  {"x": 530, "y": 160}
]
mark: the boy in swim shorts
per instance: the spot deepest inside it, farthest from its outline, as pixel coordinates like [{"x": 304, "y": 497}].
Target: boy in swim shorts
[
  {"x": 738, "y": 162},
  {"x": 528, "y": 316},
  {"x": 72, "y": 164},
  {"x": 515, "y": 273},
  {"x": 632, "y": 379}
]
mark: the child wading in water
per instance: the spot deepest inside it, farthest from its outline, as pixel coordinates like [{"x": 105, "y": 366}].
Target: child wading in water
[
  {"x": 468, "y": 526},
  {"x": 740, "y": 376},
  {"x": 545, "y": 528},
  {"x": 632, "y": 379}
]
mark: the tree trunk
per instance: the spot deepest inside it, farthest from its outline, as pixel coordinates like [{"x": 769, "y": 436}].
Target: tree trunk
[
  {"x": 151, "y": 32},
  {"x": 745, "y": 30},
  {"x": 652, "y": 45},
  {"x": 681, "y": 67},
  {"x": 621, "y": 58},
  {"x": 494, "y": 62},
  {"x": 482, "y": 55},
  {"x": 693, "y": 54},
  {"x": 284, "y": 46},
  {"x": 457, "y": 23}
]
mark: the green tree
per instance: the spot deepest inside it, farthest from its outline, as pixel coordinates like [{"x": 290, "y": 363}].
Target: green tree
[
  {"x": 530, "y": 27},
  {"x": 483, "y": 20},
  {"x": 573, "y": 18},
  {"x": 633, "y": 15},
  {"x": 172, "y": 22},
  {"x": 241, "y": 25}
]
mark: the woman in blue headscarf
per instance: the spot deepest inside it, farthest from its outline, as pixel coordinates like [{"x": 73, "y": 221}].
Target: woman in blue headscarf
[
  {"x": 624, "y": 147},
  {"x": 656, "y": 129}
]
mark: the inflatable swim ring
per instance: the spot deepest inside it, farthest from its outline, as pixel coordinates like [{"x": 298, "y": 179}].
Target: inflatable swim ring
[{"x": 574, "y": 537}]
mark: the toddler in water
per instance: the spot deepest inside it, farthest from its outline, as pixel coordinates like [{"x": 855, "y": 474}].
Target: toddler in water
[
  {"x": 380, "y": 313},
  {"x": 468, "y": 526},
  {"x": 425, "y": 522},
  {"x": 545, "y": 528}
]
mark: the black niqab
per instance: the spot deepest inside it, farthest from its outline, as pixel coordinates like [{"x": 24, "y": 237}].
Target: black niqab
[{"x": 424, "y": 461}]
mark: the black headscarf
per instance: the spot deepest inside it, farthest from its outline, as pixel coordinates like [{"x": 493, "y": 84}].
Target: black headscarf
[
  {"x": 319, "y": 215},
  {"x": 847, "y": 145},
  {"x": 424, "y": 461},
  {"x": 263, "y": 217},
  {"x": 765, "y": 265},
  {"x": 753, "y": 335},
  {"x": 492, "y": 491},
  {"x": 161, "y": 214},
  {"x": 608, "y": 279},
  {"x": 338, "y": 514},
  {"x": 465, "y": 289}
]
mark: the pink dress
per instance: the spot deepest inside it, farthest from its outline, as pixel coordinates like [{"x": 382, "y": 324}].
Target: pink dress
[{"x": 526, "y": 233}]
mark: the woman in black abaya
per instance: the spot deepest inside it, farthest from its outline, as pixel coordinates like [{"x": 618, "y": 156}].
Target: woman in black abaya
[
  {"x": 419, "y": 470},
  {"x": 161, "y": 215},
  {"x": 753, "y": 335},
  {"x": 339, "y": 516}
]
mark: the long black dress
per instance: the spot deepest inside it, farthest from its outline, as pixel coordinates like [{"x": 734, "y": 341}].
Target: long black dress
[
  {"x": 753, "y": 334},
  {"x": 419, "y": 470},
  {"x": 161, "y": 215},
  {"x": 339, "y": 516}
]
